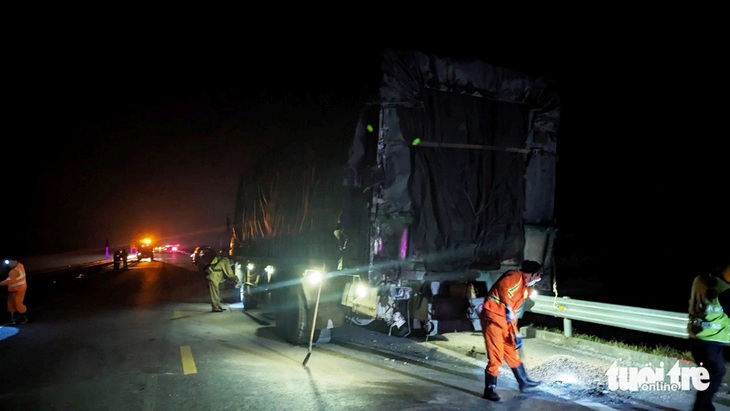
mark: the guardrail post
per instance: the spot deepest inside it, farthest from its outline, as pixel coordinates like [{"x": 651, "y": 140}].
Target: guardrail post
[{"x": 567, "y": 325}]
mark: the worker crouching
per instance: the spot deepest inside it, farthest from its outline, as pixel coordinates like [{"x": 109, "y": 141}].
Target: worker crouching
[{"x": 499, "y": 324}]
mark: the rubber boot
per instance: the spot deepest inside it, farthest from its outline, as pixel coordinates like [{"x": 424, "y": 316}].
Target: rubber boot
[
  {"x": 524, "y": 382},
  {"x": 12, "y": 319},
  {"x": 490, "y": 387},
  {"x": 24, "y": 318}
]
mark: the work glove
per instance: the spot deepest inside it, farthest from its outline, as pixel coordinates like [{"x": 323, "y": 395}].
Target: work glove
[
  {"x": 239, "y": 284},
  {"x": 510, "y": 314},
  {"x": 518, "y": 341}
]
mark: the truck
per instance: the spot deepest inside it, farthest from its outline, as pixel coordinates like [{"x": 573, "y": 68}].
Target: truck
[
  {"x": 144, "y": 248},
  {"x": 448, "y": 181}
]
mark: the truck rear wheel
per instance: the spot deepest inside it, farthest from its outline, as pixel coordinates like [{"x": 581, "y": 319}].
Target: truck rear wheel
[
  {"x": 249, "y": 298},
  {"x": 292, "y": 317}
]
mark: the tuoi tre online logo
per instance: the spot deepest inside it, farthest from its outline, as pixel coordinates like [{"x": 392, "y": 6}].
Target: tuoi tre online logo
[{"x": 655, "y": 379}]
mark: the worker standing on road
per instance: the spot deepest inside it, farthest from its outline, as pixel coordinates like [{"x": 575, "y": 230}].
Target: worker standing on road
[
  {"x": 125, "y": 256},
  {"x": 217, "y": 272},
  {"x": 16, "y": 291},
  {"x": 499, "y": 324},
  {"x": 709, "y": 330}
]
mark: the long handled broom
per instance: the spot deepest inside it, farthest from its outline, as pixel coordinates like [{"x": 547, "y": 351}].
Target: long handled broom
[{"x": 314, "y": 323}]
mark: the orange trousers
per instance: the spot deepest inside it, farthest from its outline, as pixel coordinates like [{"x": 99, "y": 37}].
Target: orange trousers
[
  {"x": 499, "y": 340},
  {"x": 15, "y": 301}
]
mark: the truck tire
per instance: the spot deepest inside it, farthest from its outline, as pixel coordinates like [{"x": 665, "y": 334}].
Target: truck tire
[
  {"x": 250, "y": 299},
  {"x": 293, "y": 318}
]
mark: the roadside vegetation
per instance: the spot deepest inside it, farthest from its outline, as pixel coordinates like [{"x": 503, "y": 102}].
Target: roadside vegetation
[{"x": 660, "y": 350}]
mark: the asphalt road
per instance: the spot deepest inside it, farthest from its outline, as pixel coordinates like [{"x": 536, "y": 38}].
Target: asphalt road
[{"x": 145, "y": 339}]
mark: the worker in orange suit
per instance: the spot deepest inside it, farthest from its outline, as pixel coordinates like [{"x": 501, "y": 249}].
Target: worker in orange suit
[
  {"x": 499, "y": 324},
  {"x": 16, "y": 291}
]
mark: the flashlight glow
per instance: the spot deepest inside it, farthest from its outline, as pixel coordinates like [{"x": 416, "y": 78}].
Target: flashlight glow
[{"x": 567, "y": 378}]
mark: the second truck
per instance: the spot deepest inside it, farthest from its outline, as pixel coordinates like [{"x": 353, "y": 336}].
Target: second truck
[{"x": 448, "y": 182}]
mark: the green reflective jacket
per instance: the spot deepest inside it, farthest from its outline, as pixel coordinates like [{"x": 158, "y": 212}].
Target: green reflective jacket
[{"x": 712, "y": 323}]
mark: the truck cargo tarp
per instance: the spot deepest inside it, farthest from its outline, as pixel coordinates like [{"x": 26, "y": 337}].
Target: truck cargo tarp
[
  {"x": 290, "y": 205},
  {"x": 467, "y": 151}
]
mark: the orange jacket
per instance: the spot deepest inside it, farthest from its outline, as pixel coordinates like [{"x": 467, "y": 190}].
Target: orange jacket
[
  {"x": 509, "y": 291},
  {"x": 16, "y": 278}
]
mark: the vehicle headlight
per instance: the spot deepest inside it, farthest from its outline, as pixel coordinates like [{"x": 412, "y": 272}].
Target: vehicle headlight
[
  {"x": 313, "y": 276},
  {"x": 361, "y": 290}
]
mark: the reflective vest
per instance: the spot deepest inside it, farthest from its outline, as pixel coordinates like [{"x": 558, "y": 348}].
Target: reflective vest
[
  {"x": 715, "y": 326},
  {"x": 509, "y": 291},
  {"x": 16, "y": 278}
]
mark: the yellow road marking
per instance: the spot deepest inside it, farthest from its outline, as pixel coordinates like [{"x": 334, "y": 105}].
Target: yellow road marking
[{"x": 188, "y": 362}]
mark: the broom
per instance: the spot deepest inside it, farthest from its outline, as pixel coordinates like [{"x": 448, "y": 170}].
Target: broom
[{"x": 314, "y": 323}]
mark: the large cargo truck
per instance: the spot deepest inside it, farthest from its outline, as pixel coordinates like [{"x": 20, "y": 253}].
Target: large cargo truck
[{"x": 448, "y": 182}]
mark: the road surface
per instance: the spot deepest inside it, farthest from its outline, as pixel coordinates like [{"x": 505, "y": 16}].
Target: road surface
[{"x": 145, "y": 338}]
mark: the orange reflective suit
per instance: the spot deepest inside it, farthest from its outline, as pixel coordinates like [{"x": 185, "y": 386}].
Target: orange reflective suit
[
  {"x": 16, "y": 289},
  {"x": 499, "y": 335}
]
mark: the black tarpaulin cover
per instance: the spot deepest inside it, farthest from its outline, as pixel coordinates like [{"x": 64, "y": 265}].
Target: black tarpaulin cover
[{"x": 467, "y": 156}]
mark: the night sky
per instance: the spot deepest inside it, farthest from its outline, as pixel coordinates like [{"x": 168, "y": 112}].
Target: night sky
[{"x": 151, "y": 135}]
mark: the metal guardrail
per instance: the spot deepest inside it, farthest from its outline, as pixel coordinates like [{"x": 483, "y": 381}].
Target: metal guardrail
[{"x": 673, "y": 324}]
